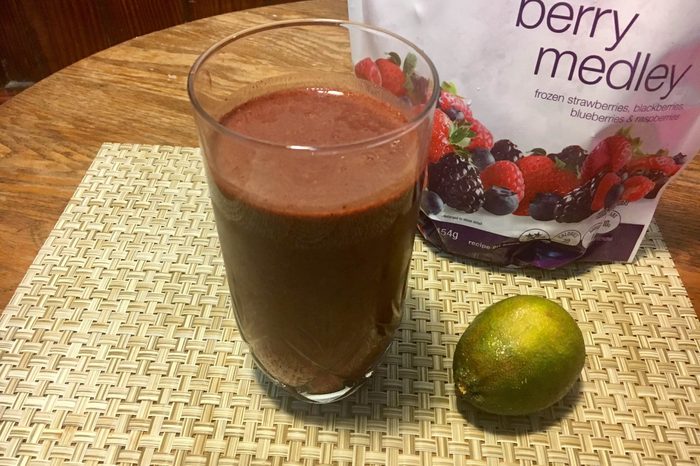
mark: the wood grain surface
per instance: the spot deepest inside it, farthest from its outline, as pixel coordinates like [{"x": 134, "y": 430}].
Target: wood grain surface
[
  {"x": 136, "y": 92},
  {"x": 39, "y": 37}
]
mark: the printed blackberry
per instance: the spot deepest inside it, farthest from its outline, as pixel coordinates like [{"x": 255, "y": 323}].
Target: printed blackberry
[
  {"x": 457, "y": 182},
  {"x": 680, "y": 158},
  {"x": 659, "y": 178},
  {"x": 506, "y": 150},
  {"x": 576, "y": 205},
  {"x": 572, "y": 157}
]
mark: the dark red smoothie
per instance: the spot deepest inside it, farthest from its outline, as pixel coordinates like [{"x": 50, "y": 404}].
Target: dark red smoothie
[{"x": 316, "y": 244}]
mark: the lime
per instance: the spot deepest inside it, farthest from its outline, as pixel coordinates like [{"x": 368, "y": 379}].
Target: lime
[{"x": 518, "y": 356}]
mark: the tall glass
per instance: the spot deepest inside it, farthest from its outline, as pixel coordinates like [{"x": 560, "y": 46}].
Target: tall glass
[{"x": 315, "y": 156}]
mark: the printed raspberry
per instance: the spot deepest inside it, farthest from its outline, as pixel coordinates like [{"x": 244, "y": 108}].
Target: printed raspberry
[
  {"x": 452, "y": 104},
  {"x": 576, "y": 205},
  {"x": 571, "y": 158},
  {"x": 636, "y": 187},
  {"x": 609, "y": 182},
  {"x": 457, "y": 183},
  {"x": 506, "y": 150},
  {"x": 506, "y": 175},
  {"x": 368, "y": 70},
  {"x": 481, "y": 137},
  {"x": 393, "y": 78}
]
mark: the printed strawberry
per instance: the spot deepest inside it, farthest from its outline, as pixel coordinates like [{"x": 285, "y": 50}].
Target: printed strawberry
[
  {"x": 449, "y": 136},
  {"x": 620, "y": 149},
  {"x": 505, "y": 174},
  {"x": 662, "y": 163},
  {"x": 368, "y": 70},
  {"x": 537, "y": 171},
  {"x": 482, "y": 138},
  {"x": 597, "y": 161},
  {"x": 440, "y": 144},
  {"x": 562, "y": 179},
  {"x": 392, "y": 76},
  {"x": 452, "y": 104},
  {"x": 611, "y": 154},
  {"x": 636, "y": 187},
  {"x": 607, "y": 188}
]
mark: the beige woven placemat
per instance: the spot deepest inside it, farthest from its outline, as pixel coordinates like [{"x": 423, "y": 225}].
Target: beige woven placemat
[{"x": 119, "y": 347}]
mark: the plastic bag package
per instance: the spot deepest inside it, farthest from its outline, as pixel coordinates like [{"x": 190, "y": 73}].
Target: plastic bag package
[{"x": 560, "y": 123}]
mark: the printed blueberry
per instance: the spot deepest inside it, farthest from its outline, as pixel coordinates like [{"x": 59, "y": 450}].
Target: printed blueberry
[
  {"x": 431, "y": 203},
  {"x": 500, "y": 201},
  {"x": 482, "y": 158},
  {"x": 454, "y": 114},
  {"x": 543, "y": 206},
  {"x": 614, "y": 195}
]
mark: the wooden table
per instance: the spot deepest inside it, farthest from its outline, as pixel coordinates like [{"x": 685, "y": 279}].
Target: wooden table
[{"x": 136, "y": 92}]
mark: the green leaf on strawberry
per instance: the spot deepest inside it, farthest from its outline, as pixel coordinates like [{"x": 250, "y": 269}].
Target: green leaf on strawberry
[
  {"x": 409, "y": 64},
  {"x": 449, "y": 87},
  {"x": 461, "y": 135}
]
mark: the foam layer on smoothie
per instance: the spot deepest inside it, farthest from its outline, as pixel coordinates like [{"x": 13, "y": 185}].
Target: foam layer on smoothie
[{"x": 329, "y": 179}]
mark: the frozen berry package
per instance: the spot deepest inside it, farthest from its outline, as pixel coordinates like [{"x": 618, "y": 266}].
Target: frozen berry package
[{"x": 559, "y": 124}]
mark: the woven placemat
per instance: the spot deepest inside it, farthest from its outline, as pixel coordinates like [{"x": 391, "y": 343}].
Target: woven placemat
[{"x": 119, "y": 347}]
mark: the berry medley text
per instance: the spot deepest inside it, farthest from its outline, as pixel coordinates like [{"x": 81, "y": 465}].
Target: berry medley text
[{"x": 637, "y": 73}]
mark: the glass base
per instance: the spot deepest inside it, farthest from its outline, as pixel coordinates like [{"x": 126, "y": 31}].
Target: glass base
[{"x": 319, "y": 398}]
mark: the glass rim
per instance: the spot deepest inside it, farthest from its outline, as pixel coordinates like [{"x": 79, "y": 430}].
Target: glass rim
[{"x": 364, "y": 143}]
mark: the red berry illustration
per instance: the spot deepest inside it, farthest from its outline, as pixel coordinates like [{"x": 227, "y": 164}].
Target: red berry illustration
[
  {"x": 505, "y": 174},
  {"x": 449, "y": 136},
  {"x": 368, "y": 70},
  {"x": 482, "y": 138},
  {"x": 440, "y": 144},
  {"x": 662, "y": 163},
  {"x": 536, "y": 170},
  {"x": 620, "y": 151},
  {"x": 452, "y": 104},
  {"x": 636, "y": 187},
  {"x": 611, "y": 154},
  {"x": 609, "y": 182},
  {"x": 562, "y": 181},
  {"x": 596, "y": 161},
  {"x": 392, "y": 76}
]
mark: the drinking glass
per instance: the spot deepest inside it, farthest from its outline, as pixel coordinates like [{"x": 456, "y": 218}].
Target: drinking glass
[{"x": 315, "y": 153}]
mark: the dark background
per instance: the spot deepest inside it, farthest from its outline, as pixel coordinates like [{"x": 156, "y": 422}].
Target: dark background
[{"x": 39, "y": 37}]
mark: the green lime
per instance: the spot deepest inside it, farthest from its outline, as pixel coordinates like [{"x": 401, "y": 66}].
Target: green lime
[{"x": 518, "y": 356}]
